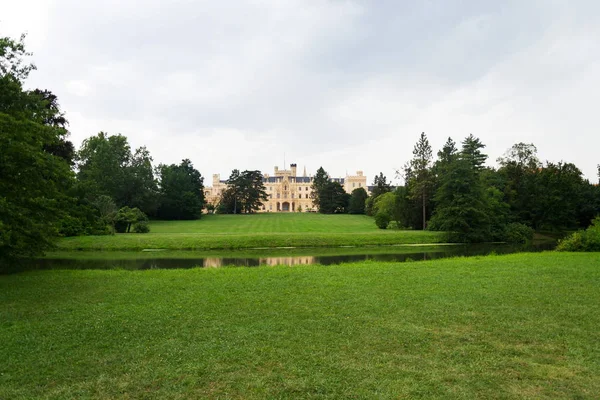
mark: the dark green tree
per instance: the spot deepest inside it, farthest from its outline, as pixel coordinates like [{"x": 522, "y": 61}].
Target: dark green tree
[
  {"x": 462, "y": 207},
  {"x": 318, "y": 184},
  {"x": 357, "y": 201},
  {"x": 181, "y": 192},
  {"x": 420, "y": 183},
  {"x": 245, "y": 193},
  {"x": 380, "y": 186},
  {"x": 33, "y": 181},
  {"x": 107, "y": 167},
  {"x": 333, "y": 198}
]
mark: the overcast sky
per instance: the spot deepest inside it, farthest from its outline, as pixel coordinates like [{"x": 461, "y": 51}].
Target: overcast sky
[{"x": 347, "y": 85}]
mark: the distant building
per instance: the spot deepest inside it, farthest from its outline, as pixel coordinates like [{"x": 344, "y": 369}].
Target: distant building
[{"x": 287, "y": 191}]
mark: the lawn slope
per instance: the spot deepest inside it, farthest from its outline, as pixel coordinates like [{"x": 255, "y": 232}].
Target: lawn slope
[
  {"x": 214, "y": 232},
  {"x": 511, "y": 327}
]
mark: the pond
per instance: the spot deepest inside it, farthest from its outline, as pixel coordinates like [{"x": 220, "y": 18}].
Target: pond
[{"x": 253, "y": 258}]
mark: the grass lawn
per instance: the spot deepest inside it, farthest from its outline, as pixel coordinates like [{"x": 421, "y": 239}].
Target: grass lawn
[
  {"x": 255, "y": 230},
  {"x": 510, "y": 327}
]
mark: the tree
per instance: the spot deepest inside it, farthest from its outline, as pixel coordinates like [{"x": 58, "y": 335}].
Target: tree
[
  {"x": 244, "y": 194},
  {"x": 358, "y": 197},
  {"x": 126, "y": 217},
  {"x": 33, "y": 181},
  {"x": 181, "y": 192},
  {"x": 333, "y": 198},
  {"x": 380, "y": 186},
  {"x": 32, "y": 185},
  {"x": 107, "y": 167},
  {"x": 420, "y": 177},
  {"x": 462, "y": 207},
  {"x": 518, "y": 170},
  {"x": 108, "y": 211},
  {"x": 12, "y": 58},
  {"x": 318, "y": 184}
]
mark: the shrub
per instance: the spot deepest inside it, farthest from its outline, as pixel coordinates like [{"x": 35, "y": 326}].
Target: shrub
[
  {"x": 588, "y": 240},
  {"x": 382, "y": 220},
  {"x": 518, "y": 233},
  {"x": 141, "y": 227}
]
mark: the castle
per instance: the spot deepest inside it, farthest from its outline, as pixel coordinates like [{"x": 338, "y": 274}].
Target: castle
[{"x": 287, "y": 191}]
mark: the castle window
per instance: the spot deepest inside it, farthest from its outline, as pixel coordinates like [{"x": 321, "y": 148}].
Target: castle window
[
  {"x": 306, "y": 188},
  {"x": 292, "y": 195},
  {"x": 359, "y": 184},
  {"x": 300, "y": 188},
  {"x": 353, "y": 184},
  {"x": 278, "y": 195}
]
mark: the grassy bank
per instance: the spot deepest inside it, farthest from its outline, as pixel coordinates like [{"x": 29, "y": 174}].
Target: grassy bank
[
  {"x": 517, "y": 326},
  {"x": 258, "y": 230}
]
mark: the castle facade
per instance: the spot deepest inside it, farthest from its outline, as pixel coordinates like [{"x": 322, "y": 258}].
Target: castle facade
[{"x": 287, "y": 191}]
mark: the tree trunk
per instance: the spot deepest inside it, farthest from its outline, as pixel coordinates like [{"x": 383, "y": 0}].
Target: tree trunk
[{"x": 424, "y": 213}]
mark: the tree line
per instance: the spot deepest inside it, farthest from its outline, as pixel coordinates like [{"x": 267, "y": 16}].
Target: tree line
[
  {"x": 457, "y": 193},
  {"x": 49, "y": 189}
]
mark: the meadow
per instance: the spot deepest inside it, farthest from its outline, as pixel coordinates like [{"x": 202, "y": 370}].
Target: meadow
[
  {"x": 214, "y": 232},
  {"x": 507, "y": 327}
]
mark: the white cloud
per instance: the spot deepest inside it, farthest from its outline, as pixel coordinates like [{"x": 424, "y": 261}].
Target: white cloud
[{"x": 347, "y": 84}]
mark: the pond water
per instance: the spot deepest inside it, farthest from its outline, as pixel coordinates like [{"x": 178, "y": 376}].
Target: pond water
[{"x": 167, "y": 260}]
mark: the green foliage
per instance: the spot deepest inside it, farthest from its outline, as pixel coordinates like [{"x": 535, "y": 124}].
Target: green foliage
[
  {"x": 12, "y": 58},
  {"x": 245, "y": 193},
  {"x": 587, "y": 240},
  {"x": 357, "y": 201},
  {"x": 380, "y": 185},
  {"x": 516, "y": 232},
  {"x": 32, "y": 186},
  {"x": 107, "y": 167},
  {"x": 181, "y": 191},
  {"x": 419, "y": 177},
  {"x": 141, "y": 227},
  {"x": 382, "y": 219},
  {"x": 462, "y": 206},
  {"x": 126, "y": 217},
  {"x": 333, "y": 198},
  {"x": 319, "y": 181}
]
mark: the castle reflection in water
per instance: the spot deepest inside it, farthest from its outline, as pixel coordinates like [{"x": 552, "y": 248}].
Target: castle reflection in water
[{"x": 216, "y": 262}]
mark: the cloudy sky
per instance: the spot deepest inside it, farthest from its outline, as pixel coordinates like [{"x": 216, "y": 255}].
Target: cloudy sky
[{"x": 347, "y": 85}]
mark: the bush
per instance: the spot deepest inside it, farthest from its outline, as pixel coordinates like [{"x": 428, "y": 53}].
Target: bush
[
  {"x": 382, "y": 220},
  {"x": 141, "y": 227},
  {"x": 518, "y": 233},
  {"x": 588, "y": 240}
]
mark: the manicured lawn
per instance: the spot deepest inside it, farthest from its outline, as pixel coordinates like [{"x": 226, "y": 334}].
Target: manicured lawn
[
  {"x": 510, "y": 327},
  {"x": 270, "y": 223},
  {"x": 258, "y": 230}
]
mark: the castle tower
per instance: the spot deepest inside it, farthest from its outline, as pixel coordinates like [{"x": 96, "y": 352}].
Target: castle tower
[{"x": 293, "y": 168}]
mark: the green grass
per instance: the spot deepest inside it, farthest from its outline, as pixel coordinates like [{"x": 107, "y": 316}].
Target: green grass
[
  {"x": 507, "y": 327},
  {"x": 257, "y": 230}
]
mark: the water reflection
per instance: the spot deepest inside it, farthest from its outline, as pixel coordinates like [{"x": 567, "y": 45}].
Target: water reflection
[{"x": 402, "y": 255}]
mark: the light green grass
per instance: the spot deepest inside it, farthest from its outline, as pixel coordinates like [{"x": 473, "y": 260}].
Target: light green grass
[
  {"x": 255, "y": 230},
  {"x": 521, "y": 326}
]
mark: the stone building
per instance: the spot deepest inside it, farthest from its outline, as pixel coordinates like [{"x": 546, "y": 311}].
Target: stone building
[{"x": 287, "y": 191}]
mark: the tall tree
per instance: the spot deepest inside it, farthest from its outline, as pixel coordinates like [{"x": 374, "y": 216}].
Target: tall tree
[
  {"x": 244, "y": 194},
  {"x": 318, "y": 184},
  {"x": 462, "y": 206},
  {"x": 181, "y": 191},
  {"x": 333, "y": 198},
  {"x": 519, "y": 168},
  {"x": 421, "y": 178},
  {"x": 107, "y": 167},
  {"x": 357, "y": 201},
  {"x": 33, "y": 181},
  {"x": 380, "y": 185}
]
